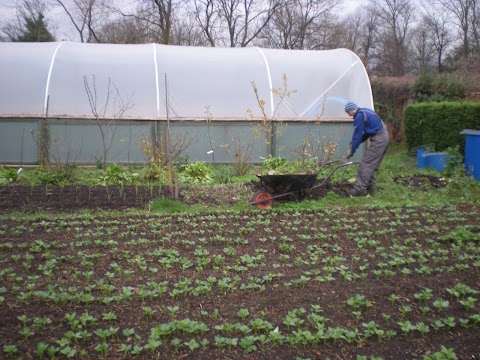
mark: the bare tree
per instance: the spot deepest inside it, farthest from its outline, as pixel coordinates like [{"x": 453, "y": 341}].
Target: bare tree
[
  {"x": 281, "y": 31},
  {"x": 123, "y": 31},
  {"x": 85, "y": 15},
  {"x": 160, "y": 14},
  {"x": 29, "y": 25},
  {"x": 157, "y": 153},
  {"x": 233, "y": 23},
  {"x": 437, "y": 21},
  {"x": 359, "y": 31},
  {"x": 239, "y": 152},
  {"x": 106, "y": 115},
  {"x": 315, "y": 147},
  {"x": 301, "y": 24},
  {"x": 370, "y": 35},
  {"x": 422, "y": 47},
  {"x": 395, "y": 25},
  {"x": 188, "y": 34},
  {"x": 463, "y": 17},
  {"x": 323, "y": 35},
  {"x": 158, "y": 17},
  {"x": 245, "y": 19},
  {"x": 351, "y": 29},
  {"x": 476, "y": 24},
  {"x": 206, "y": 16}
]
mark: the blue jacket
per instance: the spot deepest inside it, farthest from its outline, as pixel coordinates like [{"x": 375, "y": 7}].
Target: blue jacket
[{"x": 366, "y": 123}]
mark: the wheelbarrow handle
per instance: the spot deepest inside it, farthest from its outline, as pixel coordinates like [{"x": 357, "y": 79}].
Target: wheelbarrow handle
[
  {"x": 327, "y": 163},
  {"x": 344, "y": 165}
]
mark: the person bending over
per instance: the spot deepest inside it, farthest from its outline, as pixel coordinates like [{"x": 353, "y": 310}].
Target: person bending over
[{"x": 367, "y": 126}]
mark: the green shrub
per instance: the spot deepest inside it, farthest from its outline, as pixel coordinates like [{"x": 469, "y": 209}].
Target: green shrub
[
  {"x": 117, "y": 175},
  {"x": 155, "y": 172},
  {"x": 423, "y": 87},
  {"x": 58, "y": 176},
  {"x": 197, "y": 172},
  {"x": 454, "y": 165},
  {"x": 434, "y": 88},
  {"x": 8, "y": 175},
  {"x": 223, "y": 174},
  {"x": 440, "y": 123}
]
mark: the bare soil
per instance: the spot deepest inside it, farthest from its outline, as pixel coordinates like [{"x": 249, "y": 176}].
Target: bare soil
[
  {"x": 422, "y": 182},
  {"x": 72, "y": 198}
]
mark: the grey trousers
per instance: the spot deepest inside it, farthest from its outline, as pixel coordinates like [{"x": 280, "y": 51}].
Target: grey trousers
[{"x": 367, "y": 169}]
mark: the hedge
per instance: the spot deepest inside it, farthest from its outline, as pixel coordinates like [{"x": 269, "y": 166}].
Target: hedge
[
  {"x": 440, "y": 123},
  {"x": 392, "y": 95}
]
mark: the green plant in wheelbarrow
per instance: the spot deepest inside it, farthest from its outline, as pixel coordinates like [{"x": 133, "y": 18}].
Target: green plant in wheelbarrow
[
  {"x": 279, "y": 165},
  {"x": 273, "y": 165}
]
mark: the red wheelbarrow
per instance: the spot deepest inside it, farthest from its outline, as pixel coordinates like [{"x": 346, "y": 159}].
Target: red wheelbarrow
[{"x": 290, "y": 185}]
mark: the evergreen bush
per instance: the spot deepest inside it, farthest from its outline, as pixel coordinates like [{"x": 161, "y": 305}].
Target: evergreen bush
[
  {"x": 430, "y": 88},
  {"x": 440, "y": 123}
]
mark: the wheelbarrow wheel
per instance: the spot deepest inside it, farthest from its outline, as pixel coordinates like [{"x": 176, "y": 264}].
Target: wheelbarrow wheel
[{"x": 262, "y": 199}]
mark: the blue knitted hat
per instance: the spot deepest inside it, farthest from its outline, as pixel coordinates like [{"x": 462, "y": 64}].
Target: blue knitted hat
[{"x": 351, "y": 105}]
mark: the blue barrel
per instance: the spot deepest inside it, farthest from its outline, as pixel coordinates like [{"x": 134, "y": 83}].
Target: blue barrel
[
  {"x": 421, "y": 163},
  {"x": 472, "y": 152},
  {"x": 437, "y": 161}
]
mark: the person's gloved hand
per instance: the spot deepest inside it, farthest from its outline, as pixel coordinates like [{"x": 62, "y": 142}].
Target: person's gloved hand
[{"x": 349, "y": 156}]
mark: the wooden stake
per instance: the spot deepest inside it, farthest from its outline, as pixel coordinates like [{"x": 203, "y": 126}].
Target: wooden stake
[{"x": 170, "y": 174}]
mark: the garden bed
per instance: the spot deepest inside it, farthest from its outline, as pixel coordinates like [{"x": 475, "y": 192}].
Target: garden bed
[
  {"x": 71, "y": 198},
  {"x": 422, "y": 182},
  {"x": 396, "y": 283}
]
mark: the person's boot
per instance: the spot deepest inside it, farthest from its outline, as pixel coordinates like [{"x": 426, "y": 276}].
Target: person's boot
[
  {"x": 356, "y": 192},
  {"x": 372, "y": 189}
]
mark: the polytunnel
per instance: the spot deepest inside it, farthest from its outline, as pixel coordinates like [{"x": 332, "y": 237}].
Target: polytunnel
[{"x": 215, "y": 93}]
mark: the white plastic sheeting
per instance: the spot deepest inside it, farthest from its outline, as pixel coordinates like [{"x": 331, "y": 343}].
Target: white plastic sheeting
[{"x": 48, "y": 79}]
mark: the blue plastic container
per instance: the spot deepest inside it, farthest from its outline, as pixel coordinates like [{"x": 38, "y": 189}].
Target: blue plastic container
[
  {"x": 421, "y": 159},
  {"x": 472, "y": 152},
  {"x": 437, "y": 161}
]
